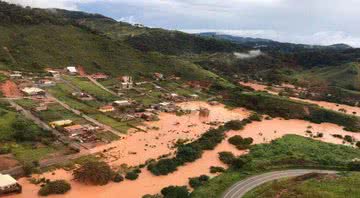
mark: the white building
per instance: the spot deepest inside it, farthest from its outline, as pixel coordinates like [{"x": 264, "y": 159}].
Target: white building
[
  {"x": 8, "y": 184},
  {"x": 72, "y": 70},
  {"x": 32, "y": 91},
  {"x": 122, "y": 103}
]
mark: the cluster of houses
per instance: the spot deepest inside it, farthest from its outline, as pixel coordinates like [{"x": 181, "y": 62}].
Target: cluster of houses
[{"x": 82, "y": 133}]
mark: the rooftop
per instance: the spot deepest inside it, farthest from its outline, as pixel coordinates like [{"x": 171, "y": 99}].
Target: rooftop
[{"x": 6, "y": 180}]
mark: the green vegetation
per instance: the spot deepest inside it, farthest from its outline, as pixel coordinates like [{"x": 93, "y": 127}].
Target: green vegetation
[
  {"x": 315, "y": 186},
  {"x": 282, "y": 107},
  {"x": 216, "y": 169},
  {"x": 132, "y": 175},
  {"x": 94, "y": 172},
  {"x": 288, "y": 152},
  {"x": 196, "y": 182},
  {"x": 240, "y": 143},
  {"x": 175, "y": 192},
  {"x": 55, "y": 187},
  {"x": 193, "y": 151},
  {"x": 90, "y": 88}
]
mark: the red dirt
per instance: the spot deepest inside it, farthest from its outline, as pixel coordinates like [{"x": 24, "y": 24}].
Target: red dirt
[
  {"x": 10, "y": 89},
  {"x": 7, "y": 161},
  {"x": 81, "y": 70}
]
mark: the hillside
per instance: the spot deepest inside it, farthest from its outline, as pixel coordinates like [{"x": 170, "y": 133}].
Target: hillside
[
  {"x": 28, "y": 42},
  {"x": 346, "y": 76}
]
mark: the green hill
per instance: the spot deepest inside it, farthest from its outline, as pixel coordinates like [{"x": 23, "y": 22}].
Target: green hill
[
  {"x": 32, "y": 39},
  {"x": 346, "y": 76}
]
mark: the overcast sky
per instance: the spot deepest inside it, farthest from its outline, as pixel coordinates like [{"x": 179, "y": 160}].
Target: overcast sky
[{"x": 300, "y": 21}]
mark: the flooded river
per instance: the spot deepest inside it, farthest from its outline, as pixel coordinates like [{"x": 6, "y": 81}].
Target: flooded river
[{"x": 139, "y": 146}]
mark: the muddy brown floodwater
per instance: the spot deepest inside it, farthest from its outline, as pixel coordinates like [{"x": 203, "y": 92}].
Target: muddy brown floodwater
[
  {"x": 327, "y": 105},
  {"x": 137, "y": 147}
]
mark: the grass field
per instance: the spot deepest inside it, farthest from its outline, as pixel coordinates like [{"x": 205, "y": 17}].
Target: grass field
[
  {"x": 88, "y": 87},
  {"x": 319, "y": 187},
  {"x": 6, "y": 120},
  {"x": 291, "y": 151}
]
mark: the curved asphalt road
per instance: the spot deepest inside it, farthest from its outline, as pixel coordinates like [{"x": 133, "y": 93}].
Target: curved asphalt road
[{"x": 239, "y": 189}]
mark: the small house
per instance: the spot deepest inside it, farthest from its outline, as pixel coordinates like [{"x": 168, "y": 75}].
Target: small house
[
  {"x": 107, "y": 108},
  {"x": 158, "y": 76},
  {"x": 74, "y": 129},
  {"x": 122, "y": 103},
  {"x": 194, "y": 96},
  {"x": 46, "y": 83},
  {"x": 60, "y": 123},
  {"x": 99, "y": 76},
  {"x": 82, "y": 96},
  {"x": 71, "y": 70},
  {"x": 126, "y": 82},
  {"x": 9, "y": 185},
  {"x": 33, "y": 91},
  {"x": 15, "y": 76}
]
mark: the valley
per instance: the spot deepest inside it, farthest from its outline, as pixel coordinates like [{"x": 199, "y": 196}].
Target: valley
[{"x": 93, "y": 107}]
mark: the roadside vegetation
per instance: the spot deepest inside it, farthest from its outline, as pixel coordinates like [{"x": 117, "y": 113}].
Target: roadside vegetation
[
  {"x": 312, "y": 185},
  {"x": 291, "y": 151}
]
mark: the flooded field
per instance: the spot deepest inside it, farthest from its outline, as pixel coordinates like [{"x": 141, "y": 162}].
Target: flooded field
[
  {"x": 327, "y": 105},
  {"x": 137, "y": 147}
]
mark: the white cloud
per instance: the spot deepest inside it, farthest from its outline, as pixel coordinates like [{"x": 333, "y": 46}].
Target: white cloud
[
  {"x": 317, "y": 38},
  {"x": 250, "y": 54},
  {"x": 305, "y": 21},
  {"x": 64, "y": 4}
]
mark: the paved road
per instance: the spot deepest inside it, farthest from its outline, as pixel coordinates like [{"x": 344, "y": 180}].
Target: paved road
[{"x": 239, "y": 189}]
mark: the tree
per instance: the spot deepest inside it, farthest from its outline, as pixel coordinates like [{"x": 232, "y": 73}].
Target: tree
[
  {"x": 55, "y": 187},
  {"x": 118, "y": 178},
  {"x": 24, "y": 131},
  {"x": 131, "y": 175},
  {"x": 163, "y": 167},
  {"x": 226, "y": 157},
  {"x": 196, "y": 182},
  {"x": 188, "y": 153},
  {"x": 94, "y": 172},
  {"x": 175, "y": 192}
]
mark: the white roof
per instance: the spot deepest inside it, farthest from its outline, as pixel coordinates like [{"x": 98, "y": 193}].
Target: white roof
[
  {"x": 32, "y": 90},
  {"x": 121, "y": 102},
  {"x": 72, "y": 69},
  {"x": 6, "y": 180}
]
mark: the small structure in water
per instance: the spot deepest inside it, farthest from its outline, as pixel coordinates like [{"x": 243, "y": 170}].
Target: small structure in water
[{"x": 204, "y": 112}]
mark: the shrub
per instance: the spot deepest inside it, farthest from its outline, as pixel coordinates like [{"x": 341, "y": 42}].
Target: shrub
[
  {"x": 55, "y": 187},
  {"x": 163, "y": 167},
  {"x": 238, "y": 163},
  {"x": 175, "y": 192},
  {"x": 354, "y": 165},
  {"x": 198, "y": 181},
  {"x": 239, "y": 142},
  {"x": 131, "y": 175},
  {"x": 349, "y": 139},
  {"x": 216, "y": 169},
  {"x": 188, "y": 153},
  {"x": 93, "y": 172},
  {"x": 226, "y": 157},
  {"x": 358, "y": 144},
  {"x": 255, "y": 117},
  {"x": 234, "y": 125},
  {"x": 118, "y": 178}
]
